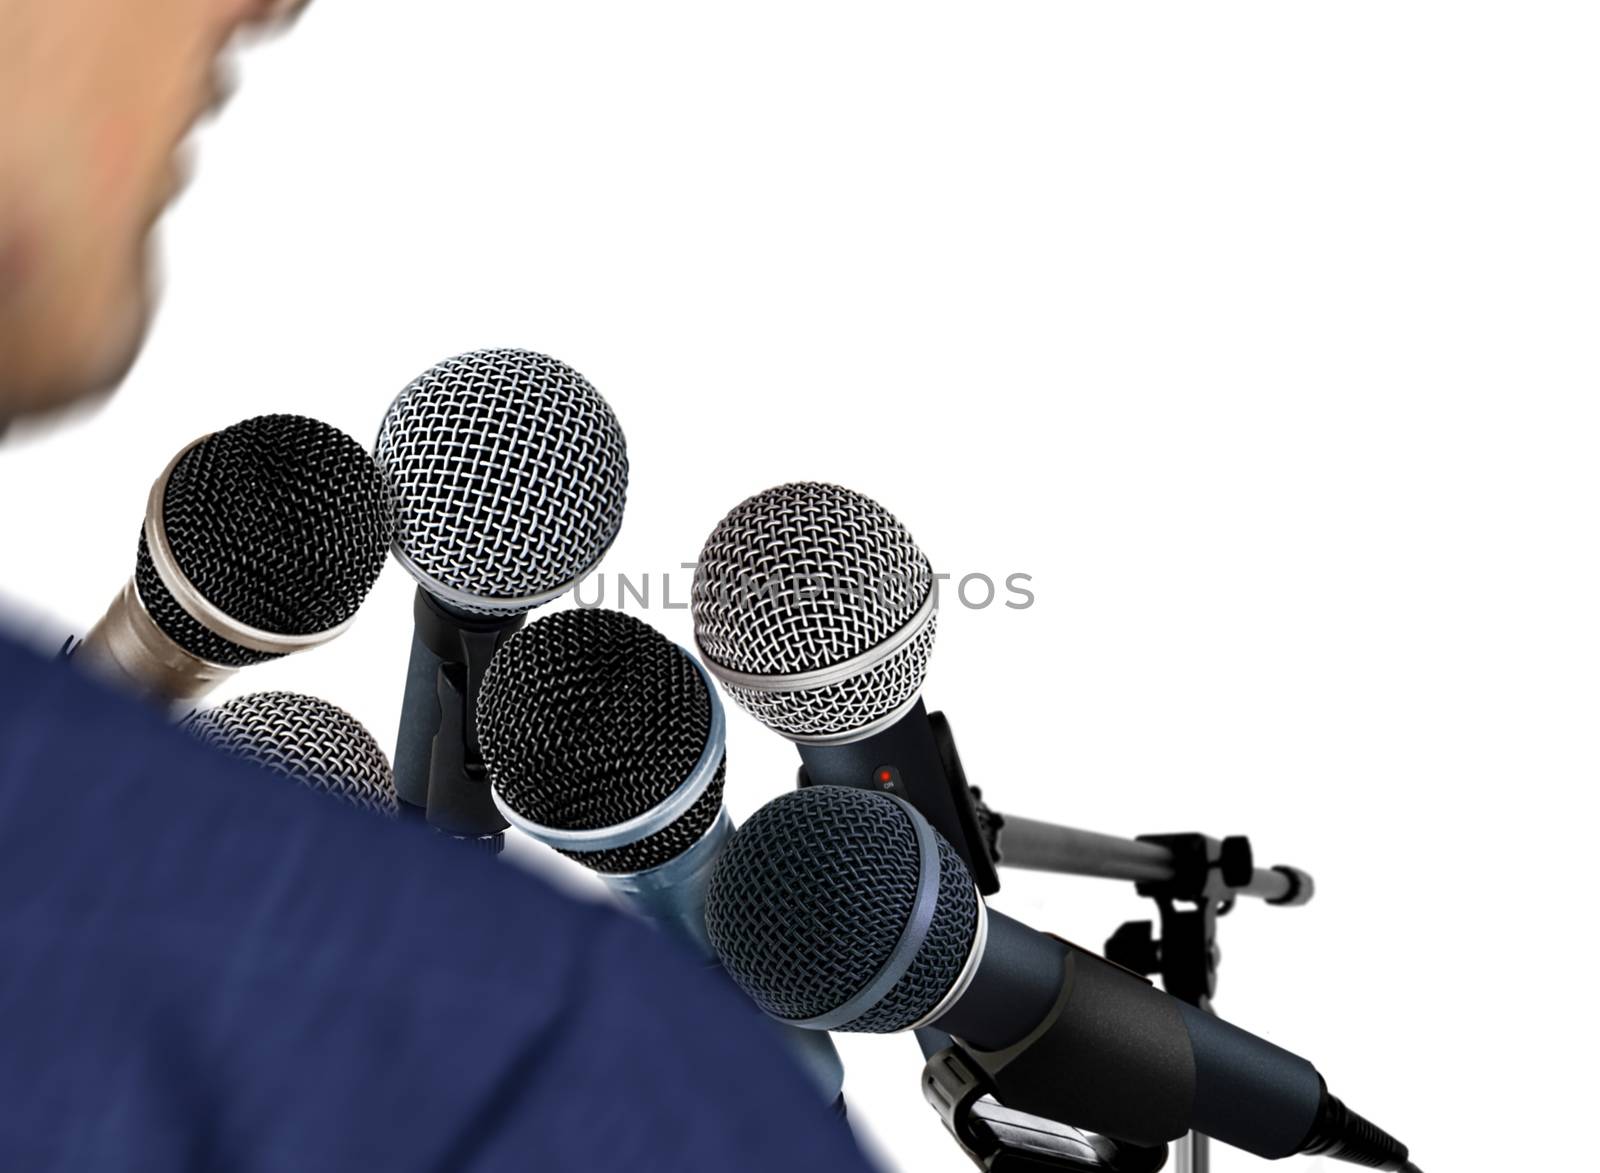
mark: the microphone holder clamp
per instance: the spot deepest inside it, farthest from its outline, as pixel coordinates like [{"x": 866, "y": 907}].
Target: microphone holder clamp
[
  {"x": 915, "y": 760},
  {"x": 1207, "y": 877},
  {"x": 450, "y": 655},
  {"x": 1002, "y": 1140}
]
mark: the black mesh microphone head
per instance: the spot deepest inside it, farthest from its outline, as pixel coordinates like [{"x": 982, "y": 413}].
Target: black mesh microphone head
[
  {"x": 589, "y": 719},
  {"x": 812, "y": 895},
  {"x": 280, "y": 522},
  {"x": 306, "y": 739},
  {"x": 509, "y": 474},
  {"x": 814, "y": 580}
]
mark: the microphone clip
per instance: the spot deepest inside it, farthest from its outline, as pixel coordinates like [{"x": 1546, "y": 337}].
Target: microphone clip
[
  {"x": 1207, "y": 877},
  {"x": 1002, "y": 1140}
]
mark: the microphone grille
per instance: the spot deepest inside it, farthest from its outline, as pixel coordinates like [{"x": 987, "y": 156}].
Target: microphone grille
[
  {"x": 281, "y": 522},
  {"x": 803, "y": 577},
  {"x": 509, "y": 473},
  {"x": 589, "y": 718},
  {"x": 811, "y": 895},
  {"x": 307, "y": 739}
]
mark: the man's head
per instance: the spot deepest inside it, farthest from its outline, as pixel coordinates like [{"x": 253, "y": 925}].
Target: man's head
[{"x": 96, "y": 97}]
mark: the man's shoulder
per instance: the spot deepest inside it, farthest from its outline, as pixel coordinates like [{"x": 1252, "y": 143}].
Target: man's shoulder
[
  {"x": 116, "y": 785},
  {"x": 196, "y": 941}
]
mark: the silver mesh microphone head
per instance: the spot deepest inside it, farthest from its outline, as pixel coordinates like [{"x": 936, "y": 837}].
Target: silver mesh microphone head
[
  {"x": 842, "y": 909},
  {"x": 509, "y": 473},
  {"x": 604, "y": 740},
  {"x": 307, "y": 739},
  {"x": 815, "y": 608}
]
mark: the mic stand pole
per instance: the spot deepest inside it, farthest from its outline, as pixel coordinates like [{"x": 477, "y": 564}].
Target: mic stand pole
[
  {"x": 1186, "y": 867},
  {"x": 1186, "y": 955}
]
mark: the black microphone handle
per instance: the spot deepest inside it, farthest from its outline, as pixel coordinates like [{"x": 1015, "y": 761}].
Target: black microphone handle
[
  {"x": 437, "y": 763},
  {"x": 419, "y": 721},
  {"x": 1065, "y": 1034}
]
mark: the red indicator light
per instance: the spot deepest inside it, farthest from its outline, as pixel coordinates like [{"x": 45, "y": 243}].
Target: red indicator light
[{"x": 885, "y": 776}]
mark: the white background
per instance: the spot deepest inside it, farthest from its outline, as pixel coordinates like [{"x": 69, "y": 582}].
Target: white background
[{"x": 1262, "y": 336}]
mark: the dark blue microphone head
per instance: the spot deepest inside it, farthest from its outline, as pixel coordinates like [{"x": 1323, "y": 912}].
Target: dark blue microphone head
[{"x": 842, "y": 909}]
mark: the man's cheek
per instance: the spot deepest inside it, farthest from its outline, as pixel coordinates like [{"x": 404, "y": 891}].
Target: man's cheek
[
  {"x": 115, "y": 156},
  {"x": 16, "y": 258}
]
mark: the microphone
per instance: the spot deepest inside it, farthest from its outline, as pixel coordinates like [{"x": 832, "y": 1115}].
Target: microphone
[
  {"x": 305, "y": 739},
  {"x": 842, "y": 909},
  {"x": 259, "y": 540},
  {"x": 509, "y": 473},
  {"x": 817, "y": 610},
  {"x": 605, "y": 741}
]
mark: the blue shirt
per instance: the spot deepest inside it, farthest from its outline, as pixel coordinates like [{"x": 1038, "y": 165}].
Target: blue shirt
[{"x": 205, "y": 967}]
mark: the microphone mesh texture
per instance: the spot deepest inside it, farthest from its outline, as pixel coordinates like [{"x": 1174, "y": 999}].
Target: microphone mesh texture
[
  {"x": 281, "y": 522},
  {"x": 509, "y": 474},
  {"x": 307, "y": 739},
  {"x": 811, "y": 895},
  {"x": 803, "y": 577},
  {"x": 589, "y": 718}
]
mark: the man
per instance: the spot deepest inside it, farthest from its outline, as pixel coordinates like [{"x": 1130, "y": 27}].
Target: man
[{"x": 205, "y": 968}]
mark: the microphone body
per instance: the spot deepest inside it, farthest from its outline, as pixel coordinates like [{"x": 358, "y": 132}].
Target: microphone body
[
  {"x": 258, "y": 541},
  {"x": 838, "y": 908},
  {"x": 817, "y": 610},
  {"x": 509, "y": 474},
  {"x": 1061, "y": 1031},
  {"x": 128, "y": 649},
  {"x": 673, "y": 895},
  {"x": 587, "y": 717}
]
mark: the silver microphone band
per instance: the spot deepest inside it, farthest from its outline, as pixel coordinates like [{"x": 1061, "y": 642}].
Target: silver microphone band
[
  {"x": 834, "y": 673},
  {"x": 658, "y": 817}
]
